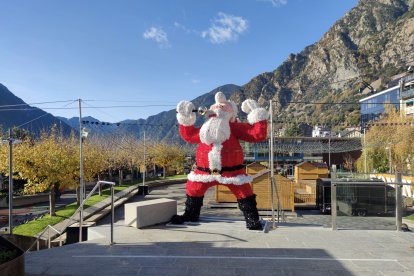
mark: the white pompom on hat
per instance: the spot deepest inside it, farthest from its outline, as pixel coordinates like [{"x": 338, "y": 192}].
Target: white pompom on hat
[{"x": 220, "y": 98}]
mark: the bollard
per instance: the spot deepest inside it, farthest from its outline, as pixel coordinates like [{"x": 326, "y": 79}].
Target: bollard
[{"x": 333, "y": 206}]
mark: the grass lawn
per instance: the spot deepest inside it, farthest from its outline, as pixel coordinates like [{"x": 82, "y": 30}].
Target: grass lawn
[
  {"x": 410, "y": 217},
  {"x": 35, "y": 226}
]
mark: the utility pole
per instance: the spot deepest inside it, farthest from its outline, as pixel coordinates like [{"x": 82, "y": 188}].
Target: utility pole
[
  {"x": 329, "y": 148},
  {"x": 400, "y": 97},
  {"x": 10, "y": 182},
  {"x": 143, "y": 189},
  {"x": 145, "y": 164},
  {"x": 272, "y": 169},
  {"x": 365, "y": 153},
  {"x": 81, "y": 184},
  {"x": 11, "y": 141}
]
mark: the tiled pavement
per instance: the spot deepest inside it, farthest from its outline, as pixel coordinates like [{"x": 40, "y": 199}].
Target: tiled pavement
[{"x": 221, "y": 245}]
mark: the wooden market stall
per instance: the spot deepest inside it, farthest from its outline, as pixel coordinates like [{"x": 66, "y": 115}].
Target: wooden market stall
[{"x": 261, "y": 186}]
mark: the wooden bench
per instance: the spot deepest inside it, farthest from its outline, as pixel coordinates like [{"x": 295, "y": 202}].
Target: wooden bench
[{"x": 149, "y": 212}]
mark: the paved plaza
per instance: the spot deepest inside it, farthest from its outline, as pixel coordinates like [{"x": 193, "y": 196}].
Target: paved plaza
[{"x": 302, "y": 244}]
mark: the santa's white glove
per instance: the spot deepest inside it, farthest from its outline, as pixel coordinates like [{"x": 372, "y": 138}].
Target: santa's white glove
[
  {"x": 185, "y": 114},
  {"x": 255, "y": 113}
]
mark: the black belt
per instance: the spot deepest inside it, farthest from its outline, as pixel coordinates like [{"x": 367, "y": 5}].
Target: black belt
[{"x": 223, "y": 169}]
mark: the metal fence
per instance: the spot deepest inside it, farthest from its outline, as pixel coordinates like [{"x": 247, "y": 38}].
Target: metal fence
[{"x": 360, "y": 196}]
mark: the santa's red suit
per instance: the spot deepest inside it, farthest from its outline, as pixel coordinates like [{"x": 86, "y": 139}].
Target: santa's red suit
[{"x": 219, "y": 156}]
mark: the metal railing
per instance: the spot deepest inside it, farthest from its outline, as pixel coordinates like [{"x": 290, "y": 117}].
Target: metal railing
[
  {"x": 398, "y": 184},
  {"x": 71, "y": 219}
]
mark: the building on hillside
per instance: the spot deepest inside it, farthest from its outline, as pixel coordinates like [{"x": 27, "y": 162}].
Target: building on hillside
[
  {"x": 407, "y": 96},
  {"x": 400, "y": 94},
  {"x": 350, "y": 133},
  {"x": 321, "y": 131},
  {"x": 280, "y": 132},
  {"x": 374, "y": 105}
]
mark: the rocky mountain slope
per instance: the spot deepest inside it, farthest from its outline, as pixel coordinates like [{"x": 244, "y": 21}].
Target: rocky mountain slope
[{"x": 372, "y": 42}]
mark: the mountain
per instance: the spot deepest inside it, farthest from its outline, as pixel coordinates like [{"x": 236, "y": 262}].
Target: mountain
[
  {"x": 371, "y": 43},
  {"x": 160, "y": 127},
  {"x": 14, "y": 112},
  {"x": 93, "y": 125}
]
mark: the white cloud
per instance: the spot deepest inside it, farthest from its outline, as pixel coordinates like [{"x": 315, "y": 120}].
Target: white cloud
[
  {"x": 184, "y": 28},
  {"x": 225, "y": 28},
  {"x": 158, "y": 35},
  {"x": 195, "y": 81},
  {"x": 275, "y": 3}
]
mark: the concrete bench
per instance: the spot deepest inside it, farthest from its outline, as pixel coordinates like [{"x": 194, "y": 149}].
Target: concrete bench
[{"x": 149, "y": 212}]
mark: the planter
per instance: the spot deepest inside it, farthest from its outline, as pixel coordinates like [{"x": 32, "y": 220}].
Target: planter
[
  {"x": 15, "y": 264},
  {"x": 25, "y": 200}
]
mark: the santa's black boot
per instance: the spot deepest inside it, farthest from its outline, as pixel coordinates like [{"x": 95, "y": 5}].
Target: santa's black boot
[
  {"x": 248, "y": 207},
  {"x": 192, "y": 210}
]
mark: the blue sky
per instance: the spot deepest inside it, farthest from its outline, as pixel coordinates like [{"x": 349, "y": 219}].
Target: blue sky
[{"x": 145, "y": 53}]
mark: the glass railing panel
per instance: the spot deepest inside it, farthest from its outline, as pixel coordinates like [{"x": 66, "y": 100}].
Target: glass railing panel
[{"x": 365, "y": 205}]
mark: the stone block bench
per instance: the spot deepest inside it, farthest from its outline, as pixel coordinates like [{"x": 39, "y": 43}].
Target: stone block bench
[{"x": 149, "y": 212}]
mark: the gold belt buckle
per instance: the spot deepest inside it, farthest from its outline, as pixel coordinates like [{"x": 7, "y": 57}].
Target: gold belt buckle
[{"x": 215, "y": 172}]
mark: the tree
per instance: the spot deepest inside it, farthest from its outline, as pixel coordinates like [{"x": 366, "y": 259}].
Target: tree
[
  {"x": 390, "y": 142},
  {"x": 167, "y": 155},
  {"x": 349, "y": 162},
  {"x": 47, "y": 165},
  {"x": 293, "y": 130}
]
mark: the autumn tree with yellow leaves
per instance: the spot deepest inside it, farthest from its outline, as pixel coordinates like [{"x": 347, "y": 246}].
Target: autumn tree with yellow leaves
[
  {"x": 389, "y": 144},
  {"x": 168, "y": 155},
  {"x": 51, "y": 162}
]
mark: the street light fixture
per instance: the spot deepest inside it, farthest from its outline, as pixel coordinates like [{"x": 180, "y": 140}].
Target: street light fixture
[{"x": 84, "y": 133}]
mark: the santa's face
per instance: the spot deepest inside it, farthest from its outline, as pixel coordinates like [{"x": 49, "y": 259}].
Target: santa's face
[{"x": 216, "y": 128}]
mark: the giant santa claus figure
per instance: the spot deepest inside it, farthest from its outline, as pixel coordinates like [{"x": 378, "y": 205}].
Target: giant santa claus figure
[{"x": 219, "y": 156}]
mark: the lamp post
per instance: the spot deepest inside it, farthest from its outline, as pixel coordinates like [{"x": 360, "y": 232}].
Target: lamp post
[
  {"x": 11, "y": 141},
  {"x": 81, "y": 183},
  {"x": 84, "y": 135},
  {"x": 329, "y": 148},
  {"x": 143, "y": 189},
  {"x": 365, "y": 153},
  {"x": 389, "y": 157}
]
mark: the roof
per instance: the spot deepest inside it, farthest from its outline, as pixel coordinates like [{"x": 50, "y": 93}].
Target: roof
[
  {"x": 315, "y": 164},
  {"x": 379, "y": 93}
]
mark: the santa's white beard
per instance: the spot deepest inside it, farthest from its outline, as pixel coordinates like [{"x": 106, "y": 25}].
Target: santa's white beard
[{"x": 215, "y": 130}]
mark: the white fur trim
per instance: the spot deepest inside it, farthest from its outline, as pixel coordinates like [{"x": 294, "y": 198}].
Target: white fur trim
[
  {"x": 257, "y": 115},
  {"x": 215, "y": 130},
  {"x": 206, "y": 178},
  {"x": 220, "y": 97},
  {"x": 185, "y": 107},
  {"x": 249, "y": 105},
  {"x": 214, "y": 157},
  {"x": 188, "y": 120}
]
